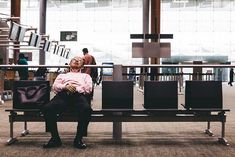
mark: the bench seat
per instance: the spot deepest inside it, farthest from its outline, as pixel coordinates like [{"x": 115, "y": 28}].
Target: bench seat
[{"x": 117, "y": 116}]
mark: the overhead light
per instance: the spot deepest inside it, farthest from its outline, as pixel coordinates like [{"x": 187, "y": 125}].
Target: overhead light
[
  {"x": 90, "y": 1},
  {"x": 180, "y": 1}
]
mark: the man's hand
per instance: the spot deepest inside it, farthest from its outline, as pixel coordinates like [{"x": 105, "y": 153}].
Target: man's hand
[{"x": 70, "y": 89}]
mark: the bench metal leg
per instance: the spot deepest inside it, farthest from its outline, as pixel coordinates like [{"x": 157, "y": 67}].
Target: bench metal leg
[
  {"x": 208, "y": 131},
  {"x": 12, "y": 139},
  {"x": 117, "y": 130},
  {"x": 25, "y": 131},
  {"x": 222, "y": 140}
]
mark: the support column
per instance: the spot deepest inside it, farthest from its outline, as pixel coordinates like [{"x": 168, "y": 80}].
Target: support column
[
  {"x": 145, "y": 23},
  {"x": 15, "y": 12},
  {"x": 42, "y": 29},
  {"x": 155, "y": 29},
  {"x": 145, "y": 31}
]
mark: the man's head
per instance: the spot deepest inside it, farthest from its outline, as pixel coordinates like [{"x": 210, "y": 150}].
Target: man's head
[
  {"x": 76, "y": 63},
  {"x": 85, "y": 51}
]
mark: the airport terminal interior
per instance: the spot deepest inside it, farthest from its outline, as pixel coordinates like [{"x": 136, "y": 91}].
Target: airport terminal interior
[{"x": 150, "y": 54}]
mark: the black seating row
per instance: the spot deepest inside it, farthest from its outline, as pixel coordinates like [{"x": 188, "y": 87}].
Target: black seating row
[
  {"x": 203, "y": 104},
  {"x": 163, "y": 95}
]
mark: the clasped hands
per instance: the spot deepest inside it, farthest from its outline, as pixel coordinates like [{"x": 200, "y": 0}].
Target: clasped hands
[{"x": 70, "y": 89}]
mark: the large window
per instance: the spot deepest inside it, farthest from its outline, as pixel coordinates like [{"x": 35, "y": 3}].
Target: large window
[
  {"x": 30, "y": 18},
  {"x": 5, "y": 7},
  {"x": 200, "y": 27},
  {"x": 103, "y": 26}
]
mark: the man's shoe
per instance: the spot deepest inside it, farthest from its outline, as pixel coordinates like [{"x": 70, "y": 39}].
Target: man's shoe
[
  {"x": 78, "y": 143},
  {"x": 52, "y": 143}
]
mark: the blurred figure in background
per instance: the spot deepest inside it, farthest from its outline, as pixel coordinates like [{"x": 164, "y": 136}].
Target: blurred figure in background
[
  {"x": 23, "y": 72},
  {"x": 66, "y": 69},
  {"x": 40, "y": 74},
  {"x": 93, "y": 72},
  {"x": 231, "y": 73}
]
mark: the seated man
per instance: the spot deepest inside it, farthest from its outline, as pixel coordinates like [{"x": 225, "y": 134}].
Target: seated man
[{"x": 71, "y": 91}]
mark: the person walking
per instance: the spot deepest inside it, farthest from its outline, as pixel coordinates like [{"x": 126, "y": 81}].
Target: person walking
[{"x": 231, "y": 73}]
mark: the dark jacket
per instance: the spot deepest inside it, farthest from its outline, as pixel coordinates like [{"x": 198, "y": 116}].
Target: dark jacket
[{"x": 23, "y": 72}]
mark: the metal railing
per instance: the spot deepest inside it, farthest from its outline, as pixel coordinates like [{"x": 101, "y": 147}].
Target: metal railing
[{"x": 120, "y": 72}]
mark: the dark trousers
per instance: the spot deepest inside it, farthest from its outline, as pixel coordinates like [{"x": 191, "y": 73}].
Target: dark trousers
[{"x": 77, "y": 103}]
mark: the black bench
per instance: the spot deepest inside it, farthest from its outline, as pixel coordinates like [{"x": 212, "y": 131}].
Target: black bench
[
  {"x": 119, "y": 115},
  {"x": 126, "y": 115}
]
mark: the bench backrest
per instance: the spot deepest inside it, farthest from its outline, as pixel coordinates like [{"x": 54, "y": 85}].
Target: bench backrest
[
  {"x": 160, "y": 95},
  {"x": 203, "y": 94},
  {"x": 30, "y": 94},
  {"x": 117, "y": 94}
]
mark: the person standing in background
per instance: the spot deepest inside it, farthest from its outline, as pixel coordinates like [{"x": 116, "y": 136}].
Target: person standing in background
[
  {"x": 90, "y": 60},
  {"x": 66, "y": 69},
  {"x": 23, "y": 72},
  {"x": 40, "y": 74},
  {"x": 231, "y": 73}
]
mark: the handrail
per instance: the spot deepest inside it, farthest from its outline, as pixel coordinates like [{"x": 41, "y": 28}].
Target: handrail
[
  {"x": 51, "y": 66},
  {"x": 181, "y": 66},
  {"x": 128, "y": 66}
]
